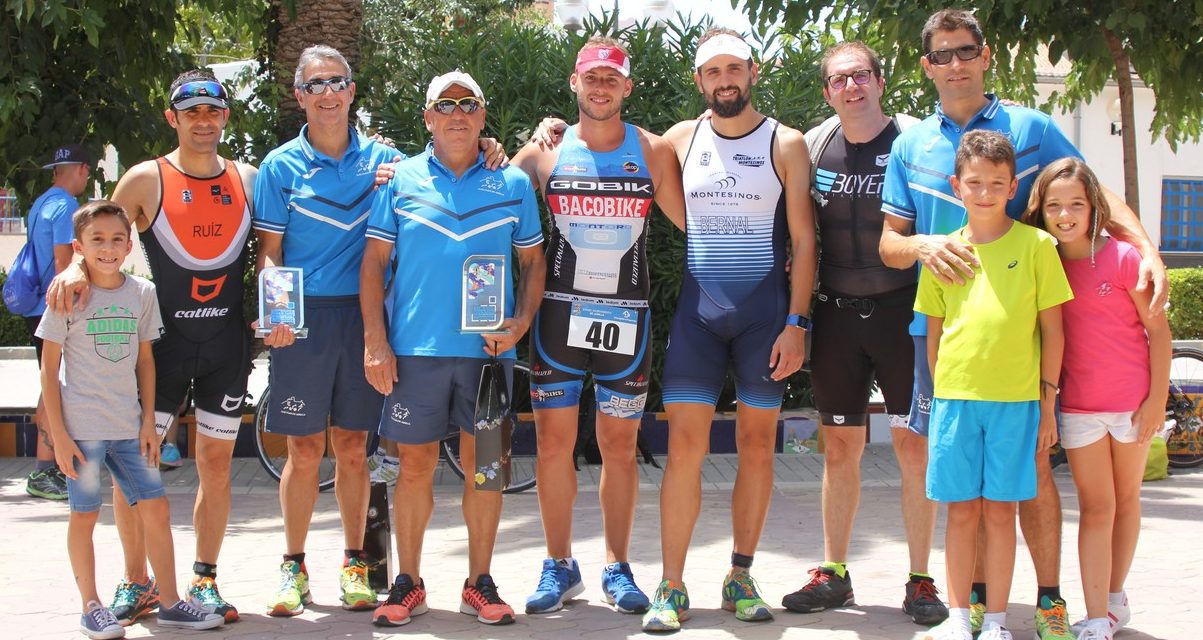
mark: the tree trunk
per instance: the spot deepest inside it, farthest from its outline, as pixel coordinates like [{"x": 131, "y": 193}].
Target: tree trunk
[
  {"x": 298, "y": 24},
  {"x": 1123, "y": 77}
]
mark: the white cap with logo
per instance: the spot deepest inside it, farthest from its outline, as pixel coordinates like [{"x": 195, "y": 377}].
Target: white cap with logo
[
  {"x": 722, "y": 44},
  {"x": 441, "y": 83}
]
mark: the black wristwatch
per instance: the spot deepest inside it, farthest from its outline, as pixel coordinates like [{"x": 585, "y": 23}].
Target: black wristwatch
[{"x": 796, "y": 320}]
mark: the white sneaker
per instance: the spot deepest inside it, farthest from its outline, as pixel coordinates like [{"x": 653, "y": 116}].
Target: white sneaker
[
  {"x": 1096, "y": 632},
  {"x": 994, "y": 631},
  {"x": 949, "y": 630},
  {"x": 1119, "y": 615}
]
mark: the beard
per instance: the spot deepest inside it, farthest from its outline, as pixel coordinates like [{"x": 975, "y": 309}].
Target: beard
[
  {"x": 729, "y": 108},
  {"x": 597, "y": 112}
]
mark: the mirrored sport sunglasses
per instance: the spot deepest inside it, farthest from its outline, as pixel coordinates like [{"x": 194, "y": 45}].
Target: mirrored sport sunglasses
[
  {"x": 944, "y": 56},
  {"x": 317, "y": 86},
  {"x": 198, "y": 89},
  {"x": 837, "y": 81},
  {"x": 445, "y": 106}
]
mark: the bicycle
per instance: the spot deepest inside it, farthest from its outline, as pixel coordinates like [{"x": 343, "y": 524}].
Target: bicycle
[
  {"x": 1184, "y": 408},
  {"x": 272, "y": 449}
]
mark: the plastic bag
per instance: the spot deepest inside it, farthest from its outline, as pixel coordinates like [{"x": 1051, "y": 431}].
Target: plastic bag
[{"x": 1157, "y": 467}]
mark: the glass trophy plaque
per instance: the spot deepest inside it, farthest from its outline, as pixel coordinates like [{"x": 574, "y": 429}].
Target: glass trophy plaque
[
  {"x": 282, "y": 300},
  {"x": 482, "y": 295}
]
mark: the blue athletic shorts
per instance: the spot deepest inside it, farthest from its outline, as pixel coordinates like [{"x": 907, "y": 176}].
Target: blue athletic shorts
[
  {"x": 982, "y": 449},
  {"x": 319, "y": 381},
  {"x": 558, "y": 370},
  {"x": 705, "y": 338},
  {"x": 138, "y": 480},
  {"x": 924, "y": 389},
  {"x": 433, "y": 397}
]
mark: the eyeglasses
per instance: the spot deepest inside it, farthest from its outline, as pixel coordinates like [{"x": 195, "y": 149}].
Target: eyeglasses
[
  {"x": 317, "y": 86},
  {"x": 198, "y": 89},
  {"x": 837, "y": 81},
  {"x": 944, "y": 56},
  {"x": 446, "y": 106}
]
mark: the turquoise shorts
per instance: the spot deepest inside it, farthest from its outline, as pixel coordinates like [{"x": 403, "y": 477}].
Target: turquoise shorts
[{"x": 982, "y": 449}]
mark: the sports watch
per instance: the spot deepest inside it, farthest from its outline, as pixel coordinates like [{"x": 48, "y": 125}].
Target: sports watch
[{"x": 796, "y": 320}]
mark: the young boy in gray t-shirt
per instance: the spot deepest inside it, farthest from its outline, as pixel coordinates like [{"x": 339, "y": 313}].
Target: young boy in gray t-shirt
[{"x": 101, "y": 410}]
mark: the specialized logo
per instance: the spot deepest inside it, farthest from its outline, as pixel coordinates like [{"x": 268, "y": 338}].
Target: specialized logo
[
  {"x": 114, "y": 332},
  {"x": 491, "y": 184},
  {"x": 399, "y": 414},
  {"x": 1011, "y": 265},
  {"x": 293, "y": 406},
  {"x": 537, "y": 371},
  {"x": 1104, "y": 289},
  {"x": 744, "y": 160},
  {"x": 230, "y": 403},
  {"x": 637, "y": 382},
  {"x": 205, "y": 290}
]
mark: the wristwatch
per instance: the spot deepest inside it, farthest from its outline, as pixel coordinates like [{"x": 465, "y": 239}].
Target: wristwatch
[{"x": 796, "y": 320}]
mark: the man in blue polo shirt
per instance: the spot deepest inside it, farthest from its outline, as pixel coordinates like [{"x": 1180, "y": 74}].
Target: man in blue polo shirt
[
  {"x": 50, "y": 234},
  {"x": 440, "y": 208},
  {"x": 921, "y": 208}
]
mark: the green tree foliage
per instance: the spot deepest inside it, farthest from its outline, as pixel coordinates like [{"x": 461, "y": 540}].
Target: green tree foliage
[
  {"x": 523, "y": 66},
  {"x": 1162, "y": 42}
]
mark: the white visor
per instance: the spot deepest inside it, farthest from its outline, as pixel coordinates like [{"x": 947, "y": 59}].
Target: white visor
[{"x": 724, "y": 44}]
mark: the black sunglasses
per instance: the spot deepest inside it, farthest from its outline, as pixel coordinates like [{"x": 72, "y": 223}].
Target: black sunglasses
[
  {"x": 944, "y": 56},
  {"x": 837, "y": 81},
  {"x": 317, "y": 86},
  {"x": 445, "y": 106}
]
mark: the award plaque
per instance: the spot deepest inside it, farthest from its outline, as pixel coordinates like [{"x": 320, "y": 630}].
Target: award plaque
[
  {"x": 281, "y": 300},
  {"x": 482, "y": 295}
]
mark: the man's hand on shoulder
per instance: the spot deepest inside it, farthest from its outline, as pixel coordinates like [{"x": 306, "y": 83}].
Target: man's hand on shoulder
[
  {"x": 70, "y": 286},
  {"x": 949, "y": 259}
]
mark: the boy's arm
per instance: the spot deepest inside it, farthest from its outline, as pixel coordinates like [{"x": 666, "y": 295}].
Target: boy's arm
[
  {"x": 935, "y": 329},
  {"x": 1150, "y": 416},
  {"x": 1052, "y": 348},
  {"x": 65, "y": 449},
  {"x": 147, "y": 436}
]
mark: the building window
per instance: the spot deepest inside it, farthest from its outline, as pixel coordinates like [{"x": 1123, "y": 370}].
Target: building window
[{"x": 1182, "y": 214}]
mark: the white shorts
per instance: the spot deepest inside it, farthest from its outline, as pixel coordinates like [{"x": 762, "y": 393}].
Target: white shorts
[{"x": 1082, "y": 429}]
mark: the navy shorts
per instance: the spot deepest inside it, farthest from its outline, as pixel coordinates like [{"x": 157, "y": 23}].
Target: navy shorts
[
  {"x": 319, "y": 381},
  {"x": 138, "y": 480},
  {"x": 857, "y": 340},
  {"x": 924, "y": 389},
  {"x": 433, "y": 397},
  {"x": 558, "y": 370},
  {"x": 705, "y": 338}
]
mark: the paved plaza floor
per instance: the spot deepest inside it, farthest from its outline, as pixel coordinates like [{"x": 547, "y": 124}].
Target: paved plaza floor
[{"x": 38, "y": 598}]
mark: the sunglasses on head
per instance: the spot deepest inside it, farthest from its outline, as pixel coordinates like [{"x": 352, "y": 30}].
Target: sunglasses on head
[
  {"x": 198, "y": 89},
  {"x": 445, "y": 106},
  {"x": 317, "y": 86},
  {"x": 837, "y": 81},
  {"x": 944, "y": 56}
]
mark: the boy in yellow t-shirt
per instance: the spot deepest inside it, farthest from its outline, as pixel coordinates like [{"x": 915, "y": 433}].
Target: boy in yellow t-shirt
[{"x": 994, "y": 347}]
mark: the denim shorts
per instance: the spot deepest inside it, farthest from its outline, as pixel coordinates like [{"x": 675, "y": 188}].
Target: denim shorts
[{"x": 137, "y": 480}]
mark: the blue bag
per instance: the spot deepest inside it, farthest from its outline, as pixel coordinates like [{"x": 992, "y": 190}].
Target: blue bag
[{"x": 23, "y": 288}]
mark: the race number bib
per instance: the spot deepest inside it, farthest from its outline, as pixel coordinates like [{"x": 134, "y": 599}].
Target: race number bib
[{"x": 603, "y": 328}]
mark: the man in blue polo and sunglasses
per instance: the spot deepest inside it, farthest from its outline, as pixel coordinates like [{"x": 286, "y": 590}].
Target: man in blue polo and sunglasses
[{"x": 193, "y": 213}]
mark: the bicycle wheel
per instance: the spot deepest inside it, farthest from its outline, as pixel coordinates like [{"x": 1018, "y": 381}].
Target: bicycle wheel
[
  {"x": 273, "y": 447},
  {"x": 1184, "y": 408},
  {"x": 523, "y": 442}
]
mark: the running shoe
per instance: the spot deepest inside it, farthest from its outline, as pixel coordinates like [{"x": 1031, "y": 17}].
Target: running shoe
[
  {"x": 383, "y": 468},
  {"x": 948, "y": 630},
  {"x": 481, "y": 600},
  {"x": 669, "y": 608},
  {"x": 204, "y": 591},
  {"x": 133, "y": 599},
  {"x": 558, "y": 583},
  {"x": 1118, "y": 614},
  {"x": 99, "y": 623},
  {"x": 977, "y": 613},
  {"x": 1052, "y": 622},
  {"x": 293, "y": 593},
  {"x": 826, "y": 590},
  {"x": 47, "y": 483},
  {"x": 1097, "y": 632},
  {"x": 169, "y": 456},
  {"x": 190, "y": 614},
  {"x": 994, "y": 631},
  {"x": 741, "y": 596},
  {"x": 922, "y": 602},
  {"x": 357, "y": 594},
  {"x": 618, "y": 585},
  {"x": 405, "y": 600}
]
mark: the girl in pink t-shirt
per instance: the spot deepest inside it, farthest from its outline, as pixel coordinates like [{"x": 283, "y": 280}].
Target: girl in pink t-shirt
[{"x": 1114, "y": 382}]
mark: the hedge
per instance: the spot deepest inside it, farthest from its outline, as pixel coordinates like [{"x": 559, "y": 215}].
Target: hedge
[{"x": 1186, "y": 303}]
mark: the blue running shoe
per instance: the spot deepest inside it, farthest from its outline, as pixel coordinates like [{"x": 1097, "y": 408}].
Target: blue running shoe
[
  {"x": 558, "y": 584},
  {"x": 169, "y": 456},
  {"x": 621, "y": 591}
]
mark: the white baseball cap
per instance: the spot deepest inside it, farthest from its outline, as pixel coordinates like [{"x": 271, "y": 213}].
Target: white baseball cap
[
  {"x": 722, "y": 44},
  {"x": 443, "y": 82}
]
